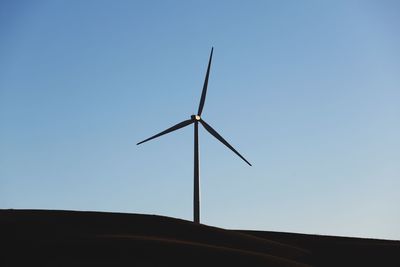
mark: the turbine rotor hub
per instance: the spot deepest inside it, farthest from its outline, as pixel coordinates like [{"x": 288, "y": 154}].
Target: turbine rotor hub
[{"x": 196, "y": 117}]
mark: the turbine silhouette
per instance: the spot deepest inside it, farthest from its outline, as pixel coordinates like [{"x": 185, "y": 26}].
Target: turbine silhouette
[{"x": 195, "y": 119}]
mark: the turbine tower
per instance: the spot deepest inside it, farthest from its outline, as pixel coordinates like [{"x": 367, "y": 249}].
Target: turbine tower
[{"x": 195, "y": 119}]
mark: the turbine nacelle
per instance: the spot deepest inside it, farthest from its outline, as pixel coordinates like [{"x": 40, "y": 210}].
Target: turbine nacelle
[{"x": 196, "y": 117}]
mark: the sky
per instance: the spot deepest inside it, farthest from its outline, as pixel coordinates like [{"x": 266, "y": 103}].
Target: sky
[{"x": 308, "y": 91}]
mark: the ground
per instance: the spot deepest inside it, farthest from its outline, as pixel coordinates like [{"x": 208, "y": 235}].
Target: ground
[{"x": 78, "y": 238}]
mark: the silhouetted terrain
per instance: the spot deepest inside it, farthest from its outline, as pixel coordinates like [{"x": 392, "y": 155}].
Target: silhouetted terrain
[{"x": 74, "y": 238}]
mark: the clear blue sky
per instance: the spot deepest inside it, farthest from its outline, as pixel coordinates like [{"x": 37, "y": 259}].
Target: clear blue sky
[{"x": 308, "y": 91}]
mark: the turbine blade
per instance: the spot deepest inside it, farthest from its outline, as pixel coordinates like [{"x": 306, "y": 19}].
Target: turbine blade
[
  {"x": 171, "y": 129},
  {"x": 220, "y": 138},
  {"x": 204, "y": 92}
]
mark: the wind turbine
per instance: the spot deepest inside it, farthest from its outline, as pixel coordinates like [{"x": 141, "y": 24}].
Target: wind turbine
[{"x": 195, "y": 119}]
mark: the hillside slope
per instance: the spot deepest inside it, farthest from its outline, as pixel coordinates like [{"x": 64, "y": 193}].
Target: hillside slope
[
  {"x": 76, "y": 238},
  {"x": 339, "y": 251}
]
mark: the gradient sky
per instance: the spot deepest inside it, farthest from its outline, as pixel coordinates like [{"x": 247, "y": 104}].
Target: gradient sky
[{"x": 308, "y": 91}]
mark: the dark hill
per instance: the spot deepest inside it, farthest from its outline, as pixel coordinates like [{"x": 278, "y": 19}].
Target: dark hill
[
  {"x": 74, "y": 238},
  {"x": 340, "y": 251}
]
